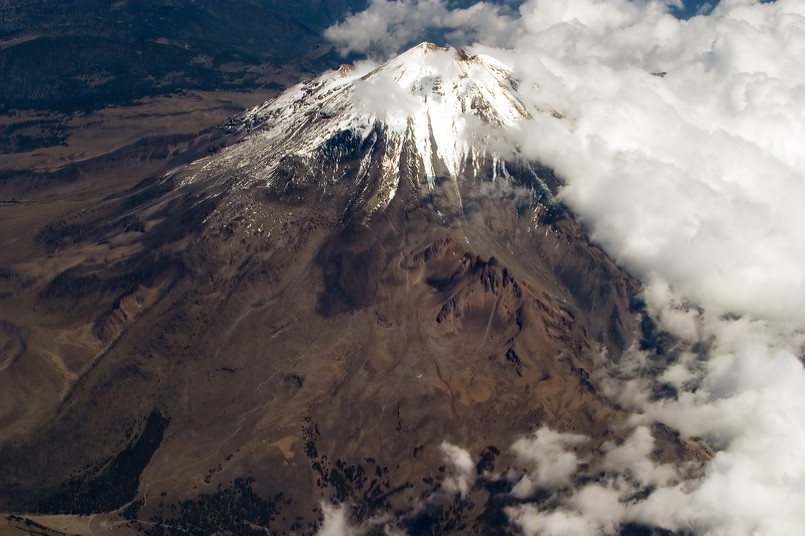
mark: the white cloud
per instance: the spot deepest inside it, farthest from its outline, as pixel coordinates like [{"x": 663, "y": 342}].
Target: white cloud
[
  {"x": 623, "y": 472},
  {"x": 550, "y": 458},
  {"x": 384, "y": 27},
  {"x": 336, "y": 521},
  {"x": 697, "y": 176},
  {"x": 694, "y": 182},
  {"x": 601, "y": 506},
  {"x": 461, "y": 474},
  {"x": 632, "y": 458},
  {"x": 533, "y": 522}
]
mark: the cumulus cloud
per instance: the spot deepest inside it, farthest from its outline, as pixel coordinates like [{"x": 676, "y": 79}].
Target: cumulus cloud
[
  {"x": 534, "y": 522},
  {"x": 601, "y": 506},
  {"x": 594, "y": 510},
  {"x": 695, "y": 176},
  {"x": 568, "y": 502},
  {"x": 694, "y": 182},
  {"x": 461, "y": 475},
  {"x": 336, "y": 521},
  {"x": 385, "y": 27},
  {"x": 550, "y": 457},
  {"x": 632, "y": 458}
]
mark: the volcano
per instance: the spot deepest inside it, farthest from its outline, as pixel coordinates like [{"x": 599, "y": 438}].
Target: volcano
[{"x": 360, "y": 280}]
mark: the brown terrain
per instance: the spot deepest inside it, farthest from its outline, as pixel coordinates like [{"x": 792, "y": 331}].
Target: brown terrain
[{"x": 168, "y": 352}]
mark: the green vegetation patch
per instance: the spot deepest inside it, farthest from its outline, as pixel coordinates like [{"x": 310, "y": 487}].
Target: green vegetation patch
[{"x": 116, "y": 484}]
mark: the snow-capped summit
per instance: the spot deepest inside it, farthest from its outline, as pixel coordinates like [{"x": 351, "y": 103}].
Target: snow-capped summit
[
  {"x": 442, "y": 103},
  {"x": 441, "y": 98},
  {"x": 449, "y": 84}
]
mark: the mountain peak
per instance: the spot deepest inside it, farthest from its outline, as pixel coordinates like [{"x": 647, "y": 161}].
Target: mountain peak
[
  {"x": 441, "y": 102},
  {"x": 424, "y": 47},
  {"x": 476, "y": 84}
]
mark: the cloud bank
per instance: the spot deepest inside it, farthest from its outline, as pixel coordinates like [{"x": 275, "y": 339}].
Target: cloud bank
[
  {"x": 384, "y": 28},
  {"x": 681, "y": 143}
]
